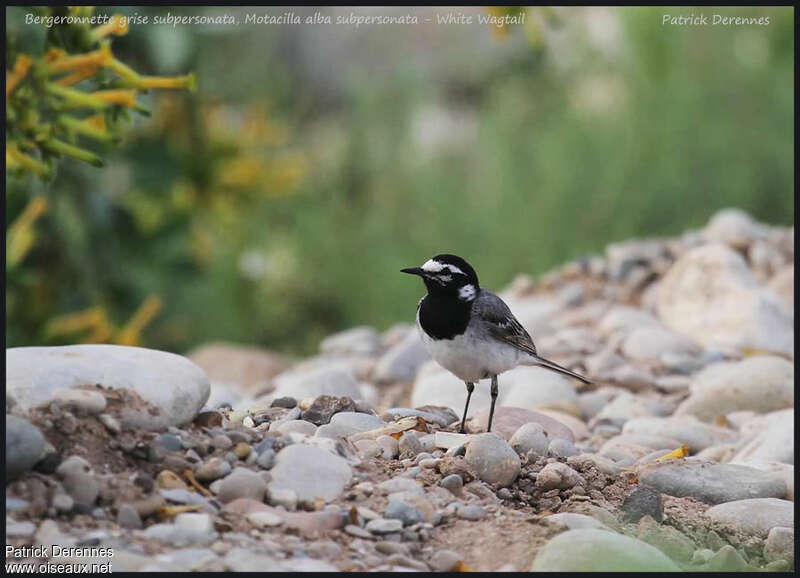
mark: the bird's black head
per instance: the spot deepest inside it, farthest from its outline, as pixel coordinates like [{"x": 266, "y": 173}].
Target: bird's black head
[{"x": 448, "y": 275}]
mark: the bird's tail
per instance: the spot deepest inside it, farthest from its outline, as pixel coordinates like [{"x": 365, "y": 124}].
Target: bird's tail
[{"x": 546, "y": 363}]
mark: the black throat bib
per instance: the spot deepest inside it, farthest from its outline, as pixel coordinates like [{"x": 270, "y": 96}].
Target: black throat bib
[{"x": 444, "y": 316}]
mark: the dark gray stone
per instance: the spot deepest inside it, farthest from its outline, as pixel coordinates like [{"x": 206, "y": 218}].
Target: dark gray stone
[{"x": 643, "y": 501}]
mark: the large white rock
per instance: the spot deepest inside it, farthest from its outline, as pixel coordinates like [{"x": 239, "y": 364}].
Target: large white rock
[
  {"x": 775, "y": 443},
  {"x": 686, "y": 429},
  {"x": 325, "y": 379},
  {"x": 533, "y": 387},
  {"x": 756, "y": 516},
  {"x": 710, "y": 296},
  {"x": 733, "y": 227},
  {"x": 624, "y": 319},
  {"x": 782, "y": 283},
  {"x": 761, "y": 384},
  {"x": 595, "y": 550},
  {"x": 172, "y": 388},
  {"x": 311, "y": 472},
  {"x": 649, "y": 344},
  {"x": 444, "y": 388}
]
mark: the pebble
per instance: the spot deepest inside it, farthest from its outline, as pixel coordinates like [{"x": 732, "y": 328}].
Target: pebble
[
  {"x": 79, "y": 483},
  {"x": 17, "y": 504},
  {"x": 357, "y": 422},
  {"x": 287, "y": 402},
  {"x": 558, "y": 475},
  {"x": 296, "y": 425},
  {"x": 264, "y": 519},
  {"x": 561, "y": 448},
  {"x": 669, "y": 540},
  {"x": 266, "y": 459},
  {"x": 213, "y": 469},
  {"x": 128, "y": 517},
  {"x": 169, "y": 442},
  {"x": 358, "y": 532},
  {"x": 81, "y": 401},
  {"x": 398, "y": 484},
  {"x": 471, "y": 512},
  {"x": 110, "y": 423},
  {"x": 444, "y": 561},
  {"x": 404, "y": 511},
  {"x": 63, "y": 503},
  {"x": 242, "y": 483},
  {"x": 409, "y": 444},
  {"x": 726, "y": 559},
  {"x": 386, "y": 547},
  {"x": 574, "y": 521},
  {"x": 389, "y": 446},
  {"x": 493, "y": 460},
  {"x": 221, "y": 442},
  {"x": 325, "y": 406},
  {"x": 188, "y": 529},
  {"x": 283, "y": 497},
  {"x": 530, "y": 437},
  {"x": 242, "y": 450},
  {"x": 384, "y": 526},
  {"x": 19, "y": 529},
  {"x": 24, "y": 446},
  {"x": 643, "y": 501},
  {"x": 594, "y": 550},
  {"x": 311, "y": 472},
  {"x": 779, "y": 545},
  {"x": 454, "y": 483},
  {"x": 755, "y": 516},
  {"x": 711, "y": 482}
]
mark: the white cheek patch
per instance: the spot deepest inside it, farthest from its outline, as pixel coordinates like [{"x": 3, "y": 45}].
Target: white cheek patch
[{"x": 467, "y": 293}]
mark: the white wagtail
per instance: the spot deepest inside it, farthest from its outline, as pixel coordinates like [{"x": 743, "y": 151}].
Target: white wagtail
[{"x": 471, "y": 331}]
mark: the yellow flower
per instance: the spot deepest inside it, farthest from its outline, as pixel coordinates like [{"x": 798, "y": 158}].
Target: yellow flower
[
  {"x": 18, "y": 159},
  {"x": 96, "y": 59},
  {"x": 116, "y": 26},
  {"x": 21, "y": 234},
  {"x": 187, "y": 82},
  {"x": 21, "y": 67},
  {"x": 120, "y": 96}
]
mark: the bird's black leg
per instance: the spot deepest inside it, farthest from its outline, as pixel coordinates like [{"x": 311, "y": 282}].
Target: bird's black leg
[
  {"x": 494, "y": 399},
  {"x": 470, "y": 389}
]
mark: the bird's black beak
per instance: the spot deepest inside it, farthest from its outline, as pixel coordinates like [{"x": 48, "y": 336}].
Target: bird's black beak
[{"x": 413, "y": 271}]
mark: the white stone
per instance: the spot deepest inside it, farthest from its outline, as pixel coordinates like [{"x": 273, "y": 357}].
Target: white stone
[
  {"x": 534, "y": 387},
  {"x": 172, "y": 387},
  {"x": 755, "y": 516},
  {"x": 311, "y": 472},
  {"x": 761, "y": 384},
  {"x": 710, "y": 296}
]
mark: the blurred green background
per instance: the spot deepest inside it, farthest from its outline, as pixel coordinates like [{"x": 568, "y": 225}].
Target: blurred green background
[{"x": 277, "y": 203}]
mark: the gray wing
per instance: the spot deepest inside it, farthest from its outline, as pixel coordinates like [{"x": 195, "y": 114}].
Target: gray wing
[{"x": 501, "y": 323}]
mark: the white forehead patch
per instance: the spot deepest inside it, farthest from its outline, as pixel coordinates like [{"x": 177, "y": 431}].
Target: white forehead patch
[
  {"x": 466, "y": 293},
  {"x": 433, "y": 266}
]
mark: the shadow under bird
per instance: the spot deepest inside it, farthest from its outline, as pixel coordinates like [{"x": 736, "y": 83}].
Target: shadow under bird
[{"x": 470, "y": 331}]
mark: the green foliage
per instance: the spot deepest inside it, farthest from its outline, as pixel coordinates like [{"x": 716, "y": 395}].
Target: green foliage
[{"x": 270, "y": 208}]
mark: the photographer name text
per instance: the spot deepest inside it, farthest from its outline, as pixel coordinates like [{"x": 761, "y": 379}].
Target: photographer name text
[{"x": 715, "y": 20}]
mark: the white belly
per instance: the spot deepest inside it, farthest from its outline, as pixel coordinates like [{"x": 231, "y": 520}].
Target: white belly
[{"x": 471, "y": 357}]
